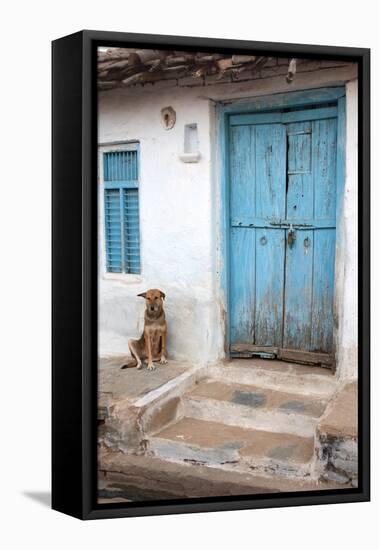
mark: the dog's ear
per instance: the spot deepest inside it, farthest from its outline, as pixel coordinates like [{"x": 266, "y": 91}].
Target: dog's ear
[
  {"x": 143, "y": 294},
  {"x": 163, "y": 295}
]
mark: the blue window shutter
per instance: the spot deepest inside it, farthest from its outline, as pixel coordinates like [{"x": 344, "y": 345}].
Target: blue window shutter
[
  {"x": 113, "y": 230},
  {"x": 122, "y": 211},
  {"x": 131, "y": 231},
  {"x": 121, "y": 166}
]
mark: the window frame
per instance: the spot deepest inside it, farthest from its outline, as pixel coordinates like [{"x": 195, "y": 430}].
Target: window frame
[{"x": 109, "y": 147}]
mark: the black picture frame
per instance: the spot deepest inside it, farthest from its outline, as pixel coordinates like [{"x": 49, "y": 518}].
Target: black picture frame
[{"x": 74, "y": 272}]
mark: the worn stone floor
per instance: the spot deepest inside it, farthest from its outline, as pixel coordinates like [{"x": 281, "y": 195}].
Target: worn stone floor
[
  {"x": 342, "y": 415},
  {"x": 132, "y": 383},
  {"x": 249, "y": 443},
  {"x": 136, "y": 478},
  {"x": 258, "y": 398}
]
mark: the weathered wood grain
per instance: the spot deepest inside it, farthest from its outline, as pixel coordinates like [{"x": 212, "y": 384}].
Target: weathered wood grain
[
  {"x": 282, "y": 182},
  {"x": 291, "y": 355}
]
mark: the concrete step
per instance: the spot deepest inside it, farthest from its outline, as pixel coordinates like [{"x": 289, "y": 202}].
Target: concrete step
[
  {"x": 231, "y": 447},
  {"x": 337, "y": 437},
  {"x": 253, "y": 407},
  {"x": 125, "y": 477},
  {"x": 278, "y": 375}
]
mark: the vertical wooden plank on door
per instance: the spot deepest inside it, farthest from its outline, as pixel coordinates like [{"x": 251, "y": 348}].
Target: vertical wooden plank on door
[
  {"x": 270, "y": 204},
  {"x": 242, "y": 284},
  {"x": 270, "y": 171},
  {"x": 323, "y": 291},
  {"x": 299, "y": 256},
  {"x": 299, "y": 177},
  {"x": 269, "y": 286},
  {"x": 324, "y": 153},
  {"x": 298, "y": 292},
  {"x": 242, "y": 171},
  {"x": 242, "y": 239}
]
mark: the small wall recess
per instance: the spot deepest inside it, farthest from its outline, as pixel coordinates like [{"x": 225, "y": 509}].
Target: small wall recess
[{"x": 191, "y": 144}]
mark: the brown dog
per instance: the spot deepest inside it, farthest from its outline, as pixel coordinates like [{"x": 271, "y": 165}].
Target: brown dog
[{"x": 152, "y": 344}]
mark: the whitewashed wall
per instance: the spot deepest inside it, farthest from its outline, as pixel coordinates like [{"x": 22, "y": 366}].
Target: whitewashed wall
[
  {"x": 177, "y": 254},
  {"x": 180, "y": 214},
  {"x": 347, "y": 330}
]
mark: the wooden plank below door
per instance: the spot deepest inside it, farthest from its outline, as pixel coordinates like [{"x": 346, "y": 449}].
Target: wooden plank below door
[
  {"x": 307, "y": 357},
  {"x": 251, "y": 347},
  {"x": 291, "y": 355}
]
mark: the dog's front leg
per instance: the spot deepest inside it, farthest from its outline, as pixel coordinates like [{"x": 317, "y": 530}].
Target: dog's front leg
[
  {"x": 163, "y": 360},
  {"x": 150, "y": 364}
]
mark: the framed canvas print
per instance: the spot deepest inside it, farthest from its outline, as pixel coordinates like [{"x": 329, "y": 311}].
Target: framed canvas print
[{"x": 210, "y": 274}]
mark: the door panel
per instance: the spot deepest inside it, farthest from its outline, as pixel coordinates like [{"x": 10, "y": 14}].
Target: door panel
[
  {"x": 283, "y": 181},
  {"x": 242, "y": 240},
  {"x": 242, "y": 265},
  {"x": 299, "y": 256},
  {"x": 324, "y": 152},
  {"x": 269, "y": 286},
  {"x": 298, "y": 292},
  {"x": 253, "y": 146},
  {"x": 299, "y": 174},
  {"x": 270, "y": 168},
  {"x": 242, "y": 171},
  {"x": 323, "y": 290}
]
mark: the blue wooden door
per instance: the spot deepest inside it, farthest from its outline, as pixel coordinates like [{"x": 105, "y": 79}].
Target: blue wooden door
[{"x": 282, "y": 187}]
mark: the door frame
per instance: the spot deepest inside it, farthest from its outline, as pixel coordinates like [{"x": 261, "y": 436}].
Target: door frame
[{"x": 260, "y": 104}]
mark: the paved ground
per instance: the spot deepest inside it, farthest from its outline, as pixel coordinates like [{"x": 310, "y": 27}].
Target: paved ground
[
  {"x": 342, "y": 417},
  {"x": 284, "y": 367},
  {"x": 133, "y": 383},
  {"x": 139, "y": 478}
]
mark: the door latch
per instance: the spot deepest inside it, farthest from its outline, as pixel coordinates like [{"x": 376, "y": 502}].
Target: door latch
[{"x": 291, "y": 236}]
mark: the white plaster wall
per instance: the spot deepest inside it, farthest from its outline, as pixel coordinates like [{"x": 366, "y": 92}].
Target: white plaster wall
[
  {"x": 180, "y": 216},
  {"x": 176, "y": 230},
  {"x": 347, "y": 335}
]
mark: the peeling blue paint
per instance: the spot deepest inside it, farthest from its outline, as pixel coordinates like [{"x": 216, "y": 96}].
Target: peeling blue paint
[{"x": 285, "y": 170}]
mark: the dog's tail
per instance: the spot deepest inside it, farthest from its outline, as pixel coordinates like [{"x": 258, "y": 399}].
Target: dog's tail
[{"x": 130, "y": 364}]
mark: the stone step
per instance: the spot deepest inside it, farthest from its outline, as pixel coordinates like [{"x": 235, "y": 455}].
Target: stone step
[
  {"x": 253, "y": 407},
  {"x": 125, "y": 477},
  {"x": 219, "y": 445},
  {"x": 337, "y": 437},
  {"x": 278, "y": 375}
]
